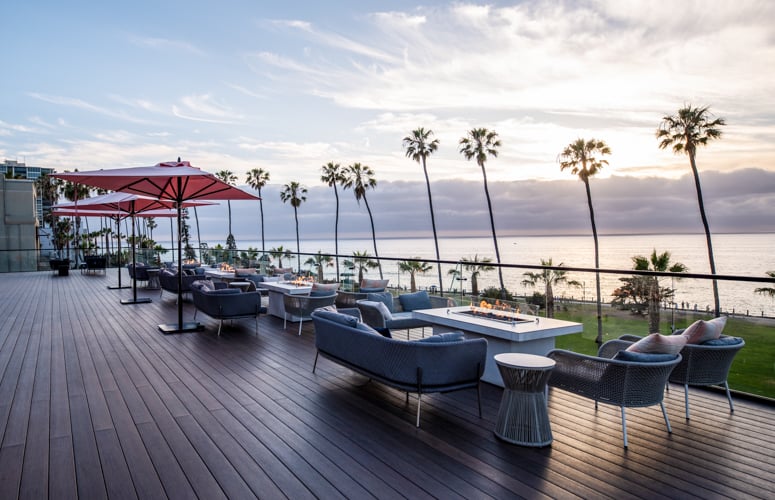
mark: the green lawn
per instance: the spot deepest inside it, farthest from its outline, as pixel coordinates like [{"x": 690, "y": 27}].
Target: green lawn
[{"x": 753, "y": 370}]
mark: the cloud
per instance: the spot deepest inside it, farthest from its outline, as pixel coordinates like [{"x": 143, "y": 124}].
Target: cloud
[
  {"x": 166, "y": 44},
  {"x": 204, "y": 108},
  {"x": 87, "y": 106}
]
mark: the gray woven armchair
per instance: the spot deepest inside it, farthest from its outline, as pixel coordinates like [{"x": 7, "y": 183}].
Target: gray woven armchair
[
  {"x": 702, "y": 365},
  {"x": 626, "y": 384},
  {"x": 303, "y": 305}
]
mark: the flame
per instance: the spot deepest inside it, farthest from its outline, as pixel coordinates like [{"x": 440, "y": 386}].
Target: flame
[
  {"x": 225, "y": 267},
  {"x": 302, "y": 281},
  {"x": 498, "y": 310}
]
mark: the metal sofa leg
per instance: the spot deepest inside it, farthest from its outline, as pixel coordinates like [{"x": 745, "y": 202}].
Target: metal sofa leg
[
  {"x": 624, "y": 426},
  {"x": 219, "y": 327},
  {"x": 729, "y": 398},
  {"x": 667, "y": 420},
  {"x": 301, "y": 321},
  {"x": 419, "y": 402},
  {"x": 315, "y": 364}
]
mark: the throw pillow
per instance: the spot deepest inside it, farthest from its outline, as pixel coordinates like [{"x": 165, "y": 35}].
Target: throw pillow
[
  {"x": 366, "y": 328},
  {"x": 643, "y": 357},
  {"x": 384, "y": 297},
  {"x": 659, "y": 344},
  {"x": 379, "y": 306},
  {"x": 374, "y": 285},
  {"x": 330, "y": 287},
  {"x": 415, "y": 301},
  {"x": 443, "y": 337},
  {"x": 336, "y": 317},
  {"x": 202, "y": 285},
  {"x": 701, "y": 331}
]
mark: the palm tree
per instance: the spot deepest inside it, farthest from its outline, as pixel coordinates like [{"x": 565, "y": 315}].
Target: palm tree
[
  {"x": 257, "y": 179},
  {"x": 229, "y": 178},
  {"x": 656, "y": 294},
  {"x": 690, "y": 128},
  {"x": 360, "y": 178},
  {"x": 362, "y": 261},
  {"x": 767, "y": 291},
  {"x": 479, "y": 144},
  {"x": 414, "y": 266},
  {"x": 418, "y": 147},
  {"x": 550, "y": 278},
  {"x": 580, "y": 157},
  {"x": 279, "y": 253},
  {"x": 319, "y": 261},
  {"x": 333, "y": 176},
  {"x": 296, "y": 194},
  {"x": 476, "y": 267},
  {"x": 73, "y": 192}
]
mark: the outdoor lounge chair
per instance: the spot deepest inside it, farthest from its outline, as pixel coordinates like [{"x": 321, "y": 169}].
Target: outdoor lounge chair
[
  {"x": 397, "y": 314},
  {"x": 605, "y": 379},
  {"x": 704, "y": 364},
  {"x": 303, "y": 305},
  {"x": 227, "y": 303}
]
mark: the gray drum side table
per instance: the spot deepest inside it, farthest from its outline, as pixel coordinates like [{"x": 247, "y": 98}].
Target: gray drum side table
[{"x": 523, "y": 418}]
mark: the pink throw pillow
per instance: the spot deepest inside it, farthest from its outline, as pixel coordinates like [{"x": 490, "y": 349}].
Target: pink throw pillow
[
  {"x": 701, "y": 331},
  {"x": 659, "y": 344}
]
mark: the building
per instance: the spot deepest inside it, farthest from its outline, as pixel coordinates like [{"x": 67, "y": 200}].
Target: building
[{"x": 12, "y": 169}]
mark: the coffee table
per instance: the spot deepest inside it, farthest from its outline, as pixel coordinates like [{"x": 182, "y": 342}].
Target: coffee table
[
  {"x": 523, "y": 418},
  {"x": 531, "y": 334},
  {"x": 276, "y": 290}
]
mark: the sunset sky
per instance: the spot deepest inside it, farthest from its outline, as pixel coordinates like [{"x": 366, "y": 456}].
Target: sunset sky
[{"x": 289, "y": 86}]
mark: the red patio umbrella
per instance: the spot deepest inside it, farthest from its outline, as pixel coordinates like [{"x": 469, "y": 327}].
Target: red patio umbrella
[{"x": 174, "y": 181}]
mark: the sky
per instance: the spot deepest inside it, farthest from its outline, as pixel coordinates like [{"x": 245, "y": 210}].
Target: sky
[{"x": 290, "y": 86}]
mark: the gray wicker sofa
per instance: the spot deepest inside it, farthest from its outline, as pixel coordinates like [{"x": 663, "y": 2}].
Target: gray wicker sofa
[{"x": 425, "y": 366}]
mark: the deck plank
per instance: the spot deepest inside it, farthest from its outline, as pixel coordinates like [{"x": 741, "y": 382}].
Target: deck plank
[{"x": 96, "y": 403}]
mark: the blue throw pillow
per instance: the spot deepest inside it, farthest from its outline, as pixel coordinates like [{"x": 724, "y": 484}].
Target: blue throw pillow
[
  {"x": 384, "y": 297},
  {"x": 371, "y": 290},
  {"x": 444, "y": 337},
  {"x": 337, "y": 317},
  {"x": 415, "y": 301},
  {"x": 725, "y": 340},
  {"x": 366, "y": 328},
  {"x": 643, "y": 357},
  {"x": 199, "y": 271}
]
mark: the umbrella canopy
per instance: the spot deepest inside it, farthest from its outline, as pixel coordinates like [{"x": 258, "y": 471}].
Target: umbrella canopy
[{"x": 175, "y": 181}]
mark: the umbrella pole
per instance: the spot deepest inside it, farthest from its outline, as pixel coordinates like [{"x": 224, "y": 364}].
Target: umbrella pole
[
  {"x": 118, "y": 231},
  {"x": 134, "y": 299},
  {"x": 180, "y": 326}
]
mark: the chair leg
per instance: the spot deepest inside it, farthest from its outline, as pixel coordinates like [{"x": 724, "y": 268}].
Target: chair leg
[
  {"x": 256, "y": 326},
  {"x": 285, "y": 320},
  {"x": 315, "y": 364},
  {"x": 301, "y": 321},
  {"x": 686, "y": 400},
  {"x": 419, "y": 401},
  {"x": 729, "y": 398},
  {"x": 479, "y": 397},
  {"x": 667, "y": 420},
  {"x": 219, "y": 328},
  {"x": 624, "y": 426}
]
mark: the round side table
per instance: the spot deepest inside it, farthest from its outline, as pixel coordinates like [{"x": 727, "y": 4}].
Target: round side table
[{"x": 523, "y": 418}]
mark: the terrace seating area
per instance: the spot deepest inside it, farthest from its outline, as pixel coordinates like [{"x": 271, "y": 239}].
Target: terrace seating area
[{"x": 96, "y": 402}]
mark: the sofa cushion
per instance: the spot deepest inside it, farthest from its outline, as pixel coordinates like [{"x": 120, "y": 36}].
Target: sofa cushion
[
  {"x": 224, "y": 291},
  {"x": 656, "y": 343},
  {"x": 384, "y": 297},
  {"x": 415, "y": 301},
  {"x": 337, "y": 317},
  {"x": 366, "y": 329},
  {"x": 701, "y": 331},
  {"x": 330, "y": 287},
  {"x": 643, "y": 357},
  {"x": 723, "y": 340},
  {"x": 443, "y": 337},
  {"x": 203, "y": 285}
]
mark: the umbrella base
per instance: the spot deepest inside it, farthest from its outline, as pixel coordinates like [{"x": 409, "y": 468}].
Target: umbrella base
[
  {"x": 181, "y": 328},
  {"x": 141, "y": 300},
  {"x": 118, "y": 287}
]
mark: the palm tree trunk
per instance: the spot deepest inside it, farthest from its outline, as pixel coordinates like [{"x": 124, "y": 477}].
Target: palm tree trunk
[
  {"x": 433, "y": 225},
  {"x": 198, "y": 234},
  {"x": 494, "y": 235},
  {"x": 412, "y": 282},
  {"x": 373, "y": 237},
  {"x": 599, "y": 338},
  {"x": 336, "y": 233},
  {"x": 298, "y": 248},
  {"x": 654, "y": 306},
  {"x": 716, "y": 302},
  {"x": 549, "y": 300}
]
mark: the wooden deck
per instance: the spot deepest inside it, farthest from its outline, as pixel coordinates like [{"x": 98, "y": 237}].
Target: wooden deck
[{"x": 95, "y": 402}]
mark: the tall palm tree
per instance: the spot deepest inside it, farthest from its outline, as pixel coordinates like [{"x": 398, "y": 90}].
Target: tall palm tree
[
  {"x": 334, "y": 176},
  {"x": 362, "y": 261},
  {"x": 550, "y": 278},
  {"x": 480, "y": 144},
  {"x": 684, "y": 131},
  {"x": 656, "y": 294},
  {"x": 296, "y": 194},
  {"x": 476, "y": 267},
  {"x": 72, "y": 192},
  {"x": 320, "y": 261},
  {"x": 360, "y": 178},
  {"x": 279, "y": 253},
  {"x": 229, "y": 178},
  {"x": 580, "y": 157},
  {"x": 414, "y": 266},
  {"x": 419, "y": 146},
  {"x": 257, "y": 179}
]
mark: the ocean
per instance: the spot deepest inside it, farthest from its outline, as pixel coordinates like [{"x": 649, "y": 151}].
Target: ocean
[{"x": 735, "y": 254}]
